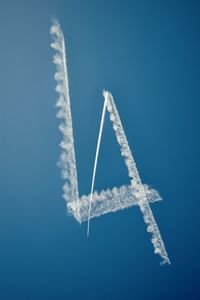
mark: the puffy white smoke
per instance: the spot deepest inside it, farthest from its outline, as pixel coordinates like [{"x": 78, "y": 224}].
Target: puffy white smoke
[{"x": 67, "y": 162}]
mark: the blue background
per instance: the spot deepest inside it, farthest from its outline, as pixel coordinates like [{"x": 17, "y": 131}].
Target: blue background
[{"x": 147, "y": 53}]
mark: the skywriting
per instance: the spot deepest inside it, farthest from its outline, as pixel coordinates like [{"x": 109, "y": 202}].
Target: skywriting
[{"x": 95, "y": 204}]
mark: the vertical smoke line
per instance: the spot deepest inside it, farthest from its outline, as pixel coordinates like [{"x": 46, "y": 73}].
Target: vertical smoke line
[
  {"x": 67, "y": 161},
  {"x": 152, "y": 227}
]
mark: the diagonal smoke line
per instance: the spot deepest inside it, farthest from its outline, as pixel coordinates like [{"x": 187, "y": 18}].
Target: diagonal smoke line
[
  {"x": 67, "y": 161},
  {"x": 159, "y": 247}
]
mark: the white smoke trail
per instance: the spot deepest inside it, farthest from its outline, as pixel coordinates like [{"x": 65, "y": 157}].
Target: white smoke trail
[
  {"x": 67, "y": 161},
  {"x": 140, "y": 193},
  {"x": 107, "y": 201},
  {"x": 95, "y": 163}
]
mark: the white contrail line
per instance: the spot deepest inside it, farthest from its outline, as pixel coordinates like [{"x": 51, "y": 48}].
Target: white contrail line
[{"x": 95, "y": 163}]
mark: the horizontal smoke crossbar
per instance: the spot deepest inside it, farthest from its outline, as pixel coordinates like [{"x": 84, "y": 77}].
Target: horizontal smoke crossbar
[{"x": 110, "y": 200}]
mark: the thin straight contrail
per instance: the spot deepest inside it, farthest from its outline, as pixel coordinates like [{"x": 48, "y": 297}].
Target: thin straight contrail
[{"x": 95, "y": 163}]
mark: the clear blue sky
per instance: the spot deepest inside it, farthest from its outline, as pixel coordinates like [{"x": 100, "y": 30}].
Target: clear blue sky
[{"x": 147, "y": 53}]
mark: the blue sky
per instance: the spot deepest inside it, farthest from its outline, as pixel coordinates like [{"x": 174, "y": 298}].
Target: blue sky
[{"x": 147, "y": 54}]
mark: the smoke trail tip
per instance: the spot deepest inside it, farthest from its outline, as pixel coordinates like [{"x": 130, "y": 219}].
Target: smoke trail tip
[{"x": 105, "y": 93}]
